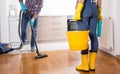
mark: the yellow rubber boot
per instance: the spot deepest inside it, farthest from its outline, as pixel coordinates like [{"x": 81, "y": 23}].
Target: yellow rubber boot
[
  {"x": 78, "y": 12},
  {"x": 84, "y": 65},
  {"x": 92, "y": 60}
]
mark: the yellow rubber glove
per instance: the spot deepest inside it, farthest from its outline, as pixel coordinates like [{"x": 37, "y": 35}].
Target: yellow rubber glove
[
  {"x": 99, "y": 13},
  {"x": 77, "y": 15}
]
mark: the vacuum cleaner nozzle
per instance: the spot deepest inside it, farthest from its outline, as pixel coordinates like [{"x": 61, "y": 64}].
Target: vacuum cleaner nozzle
[{"x": 41, "y": 56}]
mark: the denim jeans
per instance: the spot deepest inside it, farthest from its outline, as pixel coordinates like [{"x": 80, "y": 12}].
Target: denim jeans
[
  {"x": 89, "y": 21},
  {"x": 24, "y": 24}
]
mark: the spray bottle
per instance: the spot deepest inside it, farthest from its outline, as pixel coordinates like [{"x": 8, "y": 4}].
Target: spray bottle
[{"x": 99, "y": 28}]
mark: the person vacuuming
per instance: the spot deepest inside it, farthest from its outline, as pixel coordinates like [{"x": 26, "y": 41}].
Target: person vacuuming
[
  {"x": 90, "y": 11},
  {"x": 31, "y": 9}
]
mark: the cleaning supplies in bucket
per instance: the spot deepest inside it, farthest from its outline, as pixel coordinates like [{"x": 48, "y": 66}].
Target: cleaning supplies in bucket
[{"x": 78, "y": 40}]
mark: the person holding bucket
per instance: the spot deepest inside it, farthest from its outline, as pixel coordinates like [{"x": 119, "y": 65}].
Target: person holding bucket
[{"x": 88, "y": 12}]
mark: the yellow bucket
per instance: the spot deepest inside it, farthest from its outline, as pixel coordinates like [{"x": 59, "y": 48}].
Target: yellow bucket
[{"x": 78, "y": 40}]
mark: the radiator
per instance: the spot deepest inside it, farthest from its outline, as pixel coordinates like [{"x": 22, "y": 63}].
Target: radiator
[{"x": 106, "y": 41}]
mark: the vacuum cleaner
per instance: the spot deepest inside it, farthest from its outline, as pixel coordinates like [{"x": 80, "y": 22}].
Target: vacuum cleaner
[{"x": 4, "y": 46}]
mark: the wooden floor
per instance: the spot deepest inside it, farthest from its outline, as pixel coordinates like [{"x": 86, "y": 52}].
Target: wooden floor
[{"x": 58, "y": 62}]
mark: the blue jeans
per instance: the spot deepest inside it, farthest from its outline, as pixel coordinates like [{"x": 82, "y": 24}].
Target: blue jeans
[
  {"x": 89, "y": 21},
  {"x": 25, "y": 19}
]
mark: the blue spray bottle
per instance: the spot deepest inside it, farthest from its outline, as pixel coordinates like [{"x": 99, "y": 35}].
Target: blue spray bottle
[{"x": 99, "y": 28}]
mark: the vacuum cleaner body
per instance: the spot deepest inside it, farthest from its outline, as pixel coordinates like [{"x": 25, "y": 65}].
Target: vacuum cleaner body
[{"x": 4, "y": 48}]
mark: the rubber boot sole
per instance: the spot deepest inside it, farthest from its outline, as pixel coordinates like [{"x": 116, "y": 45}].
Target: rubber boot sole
[
  {"x": 92, "y": 69},
  {"x": 82, "y": 70}
]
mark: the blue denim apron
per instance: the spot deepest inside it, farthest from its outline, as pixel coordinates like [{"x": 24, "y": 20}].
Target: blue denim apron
[{"x": 89, "y": 20}]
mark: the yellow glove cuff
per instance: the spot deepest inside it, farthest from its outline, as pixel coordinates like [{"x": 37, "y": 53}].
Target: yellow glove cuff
[
  {"x": 99, "y": 10},
  {"x": 99, "y": 13},
  {"x": 79, "y": 7}
]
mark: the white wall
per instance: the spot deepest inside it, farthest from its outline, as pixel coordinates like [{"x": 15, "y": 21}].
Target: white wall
[
  {"x": 50, "y": 7},
  {"x": 58, "y": 7},
  {"x": 0, "y": 26},
  {"x": 108, "y": 7},
  {"x": 4, "y": 21},
  {"x": 112, "y": 8},
  {"x": 0, "y": 21},
  {"x": 117, "y": 27}
]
